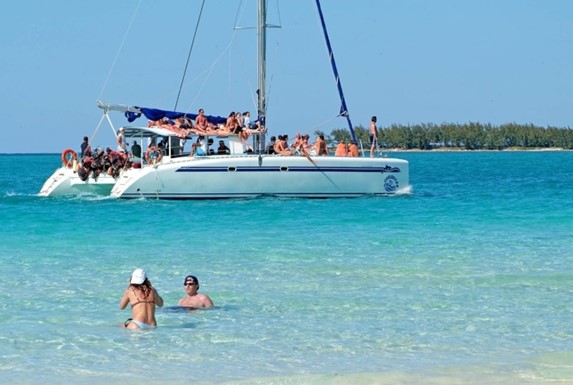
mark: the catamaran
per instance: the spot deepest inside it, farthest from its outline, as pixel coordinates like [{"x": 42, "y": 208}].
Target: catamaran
[
  {"x": 240, "y": 175},
  {"x": 89, "y": 175},
  {"x": 174, "y": 174}
]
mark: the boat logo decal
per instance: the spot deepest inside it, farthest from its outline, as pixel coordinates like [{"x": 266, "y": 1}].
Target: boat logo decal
[
  {"x": 391, "y": 183},
  {"x": 391, "y": 169}
]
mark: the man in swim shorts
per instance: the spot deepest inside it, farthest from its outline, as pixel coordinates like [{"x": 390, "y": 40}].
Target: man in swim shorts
[{"x": 194, "y": 299}]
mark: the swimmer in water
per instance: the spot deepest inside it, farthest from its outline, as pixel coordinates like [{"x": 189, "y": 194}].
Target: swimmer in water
[
  {"x": 143, "y": 299},
  {"x": 194, "y": 299}
]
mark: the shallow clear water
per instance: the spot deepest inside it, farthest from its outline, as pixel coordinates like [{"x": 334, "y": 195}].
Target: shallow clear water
[{"x": 468, "y": 280}]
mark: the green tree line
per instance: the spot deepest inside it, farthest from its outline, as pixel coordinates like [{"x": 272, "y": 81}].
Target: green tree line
[{"x": 469, "y": 136}]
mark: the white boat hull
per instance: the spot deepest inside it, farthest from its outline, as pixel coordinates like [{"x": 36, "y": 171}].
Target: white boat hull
[
  {"x": 252, "y": 176},
  {"x": 65, "y": 181}
]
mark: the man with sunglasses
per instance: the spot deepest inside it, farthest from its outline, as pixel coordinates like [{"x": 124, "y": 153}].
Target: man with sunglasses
[{"x": 194, "y": 299}]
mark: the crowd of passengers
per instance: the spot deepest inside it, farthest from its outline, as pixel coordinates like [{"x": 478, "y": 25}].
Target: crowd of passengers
[
  {"x": 301, "y": 146},
  {"x": 94, "y": 163},
  {"x": 240, "y": 124},
  {"x": 112, "y": 162},
  {"x": 236, "y": 124}
]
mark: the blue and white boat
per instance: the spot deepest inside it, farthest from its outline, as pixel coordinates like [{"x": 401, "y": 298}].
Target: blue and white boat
[{"x": 238, "y": 175}]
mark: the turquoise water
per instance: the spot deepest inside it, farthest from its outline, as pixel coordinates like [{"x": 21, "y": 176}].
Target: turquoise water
[{"x": 468, "y": 280}]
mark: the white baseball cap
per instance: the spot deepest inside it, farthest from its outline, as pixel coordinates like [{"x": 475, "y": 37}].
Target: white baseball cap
[{"x": 138, "y": 276}]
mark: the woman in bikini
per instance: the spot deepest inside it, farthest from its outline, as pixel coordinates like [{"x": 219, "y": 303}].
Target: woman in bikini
[{"x": 143, "y": 298}]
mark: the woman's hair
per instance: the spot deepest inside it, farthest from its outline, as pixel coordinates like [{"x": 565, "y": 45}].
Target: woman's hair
[{"x": 145, "y": 287}]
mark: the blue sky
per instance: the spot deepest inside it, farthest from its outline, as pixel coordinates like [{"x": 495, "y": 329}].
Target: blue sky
[{"x": 406, "y": 61}]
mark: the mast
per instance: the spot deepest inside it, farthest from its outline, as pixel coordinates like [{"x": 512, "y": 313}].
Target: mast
[
  {"x": 262, "y": 69},
  {"x": 343, "y": 108}
]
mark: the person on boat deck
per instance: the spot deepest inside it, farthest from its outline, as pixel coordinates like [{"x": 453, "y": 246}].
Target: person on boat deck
[
  {"x": 194, "y": 299},
  {"x": 304, "y": 147},
  {"x": 352, "y": 149},
  {"x": 183, "y": 123},
  {"x": 271, "y": 146},
  {"x": 121, "y": 143},
  {"x": 281, "y": 147},
  {"x": 85, "y": 149},
  {"x": 155, "y": 123},
  {"x": 247, "y": 119},
  {"x": 320, "y": 147},
  {"x": 341, "y": 149},
  {"x": 297, "y": 142},
  {"x": 202, "y": 125},
  {"x": 163, "y": 145},
  {"x": 278, "y": 144},
  {"x": 232, "y": 125},
  {"x": 244, "y": 138},
  {"x": 223, "y": 149},
  {"x": 373, "y": 136},
  {"x": 135, "y": 150},
  {"x": 170, "y": 125},
  {"x": 239, "y": 119},
  {"x": 255, "y": 128},
  {"x": 143, "y": 298},
  {"x": 199, "y": 148}
]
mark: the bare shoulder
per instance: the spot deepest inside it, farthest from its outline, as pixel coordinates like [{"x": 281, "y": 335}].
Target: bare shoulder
[{"x": 206, "y": 300}]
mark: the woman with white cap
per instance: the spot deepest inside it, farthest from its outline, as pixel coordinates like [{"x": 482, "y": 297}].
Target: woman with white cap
[{"x": 143, "y": 298}]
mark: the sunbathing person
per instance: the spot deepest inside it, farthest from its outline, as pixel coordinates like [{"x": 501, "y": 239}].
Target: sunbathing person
[
  {"x": 352, "y": 149},
  {"x": 232, "y": 125},
  {"x": 169, "y": 125},
  {"x": 281, "y": 146},
  {"x": 239, "y": 119},
  {"x": 202, "y": 124},
  {"x": 341, "y": 149},
  {"x": 297, "y": 142},
  {"x": 320, "y": 147}
]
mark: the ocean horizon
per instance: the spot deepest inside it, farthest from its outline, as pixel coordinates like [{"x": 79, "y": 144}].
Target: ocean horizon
[{"x": 466, "y": 280}]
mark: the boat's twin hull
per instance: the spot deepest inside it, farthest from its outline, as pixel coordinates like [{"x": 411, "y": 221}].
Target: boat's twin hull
[
  {"x": 65, "y": 181},
  {"x": 252, "y": 176}
]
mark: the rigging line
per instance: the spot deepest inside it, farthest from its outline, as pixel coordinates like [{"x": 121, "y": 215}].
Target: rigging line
[
  {"x": 268, "y": 97},
  {"x": 209, "y": 70},
  {"x": 189, "y": 55},
  {"x": 239, "y": 16},
  {"x": 240, "y": 52},
  {"x": 313, "y": 129},
  {"x": 119, "y": 50},
  {"x": 279, "y": 13},
  {"x": 343, "y": 107}
]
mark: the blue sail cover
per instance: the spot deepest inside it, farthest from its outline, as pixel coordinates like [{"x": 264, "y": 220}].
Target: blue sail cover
[{"x": 156, "y": 114}]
